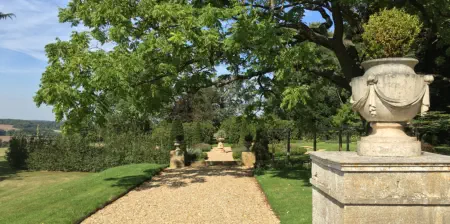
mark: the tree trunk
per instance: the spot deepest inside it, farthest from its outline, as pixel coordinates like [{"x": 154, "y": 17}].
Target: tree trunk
[
  {"x": 340, "y": 139},
  {"x": 315, "y": 139},
  {"x": 348, "y": 141},
  {"x": 288, "y": 153}
]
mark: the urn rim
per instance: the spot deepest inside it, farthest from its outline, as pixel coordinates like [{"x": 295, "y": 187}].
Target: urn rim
[{"x": 410, "y": 62}]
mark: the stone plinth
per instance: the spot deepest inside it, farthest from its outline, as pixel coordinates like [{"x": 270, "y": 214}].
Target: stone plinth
[
  {"x": 351, "y": 189},
  {"x": 176, "y": 161},
  {"x": 248, "y": 159}
]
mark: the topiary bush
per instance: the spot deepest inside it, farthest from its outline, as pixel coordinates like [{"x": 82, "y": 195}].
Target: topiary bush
[
  {"x": 390, "y": 33},
  {"x": 16, "y": 155}
]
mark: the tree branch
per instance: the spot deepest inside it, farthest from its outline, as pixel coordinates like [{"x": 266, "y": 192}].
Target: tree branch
[
  {"x": 328, "y": 21},
  {"x": 338, "y": 22},
  {"x": 333, "y": 77}
]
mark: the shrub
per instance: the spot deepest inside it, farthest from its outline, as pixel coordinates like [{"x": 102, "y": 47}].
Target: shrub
[
  {"x": 204, "y": 147},
  {"x": 197, "y": 135},
  {"x": 237, "y": 152},
  {"x": 232, "y": 128},
  {"x": 220, "y": 134},
  {"x": 197, "y": 132},
  {"x": 390, "y": 33},
  {"x": 444, "y": 150},
  {"x": 193, "y": 155},
  {"x": 177, "y": 132},
  {"x": 237, "y": 155},
  {"x": 280, "y": 150},
  {"x": 16, "y": 155}
]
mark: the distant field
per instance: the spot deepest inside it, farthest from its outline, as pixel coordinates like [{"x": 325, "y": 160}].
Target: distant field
[
  {"x": 5, "y": 138},
  {"x": 7, "y": 127}
]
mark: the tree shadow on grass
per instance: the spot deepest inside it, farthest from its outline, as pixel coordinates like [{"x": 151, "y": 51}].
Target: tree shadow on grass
[
  {"x": 131, "y": 181},
  {"x": 177, "y": 178},
  {"x": 6, "y": 171},
  {"x": 297, "y": 174}
]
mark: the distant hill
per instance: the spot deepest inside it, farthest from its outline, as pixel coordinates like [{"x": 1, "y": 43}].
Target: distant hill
[
  {"x": 10, "y": 126},
  {"x": 25, "y": 124}
]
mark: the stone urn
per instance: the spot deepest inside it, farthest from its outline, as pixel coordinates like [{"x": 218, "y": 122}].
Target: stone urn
[
  {"x": 178, "y": 151},
  {"x": 389, "y": 95},
  {"x": 220, "y": 144}
]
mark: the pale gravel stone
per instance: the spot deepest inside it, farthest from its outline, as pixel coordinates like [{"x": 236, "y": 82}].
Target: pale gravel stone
[{"x": 192, "y": 195}]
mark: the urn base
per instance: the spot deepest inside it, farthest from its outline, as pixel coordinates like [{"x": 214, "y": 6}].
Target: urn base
[{"x": 388, "y": 140}]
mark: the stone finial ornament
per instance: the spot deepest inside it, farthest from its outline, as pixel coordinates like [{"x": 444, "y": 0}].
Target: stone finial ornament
[{"x": 388, "y": 94}]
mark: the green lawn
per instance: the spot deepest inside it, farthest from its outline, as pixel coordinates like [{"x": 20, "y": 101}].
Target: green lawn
[
  {"x": 63, "y": 197},
  {"x": 327, "y": 146},
  {"x": 289, "y": 194}
]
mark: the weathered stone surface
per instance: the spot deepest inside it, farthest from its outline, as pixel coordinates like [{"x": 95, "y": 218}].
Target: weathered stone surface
[
  {"x": 348, "y": 188},
  {"x": 176, "y": 161},
  {"x": 388, "y": 139},
  {"x": 248, "y": 159},
  {"x": 388, "y": 94}
]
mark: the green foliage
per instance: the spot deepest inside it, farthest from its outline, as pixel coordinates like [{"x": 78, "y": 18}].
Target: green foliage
[
  {"x": 220, "y": 134},
  {"x": 232, "y": 128},
  {"x": 77, "y": 153},
  {"x": 293, "y": 95},
  {"x": 177, "y": 131},
  {"x": 245, "y": 134},
  {"x": 197, "y": 137},
  {"x": 161, "y": 136},
  {"x": 281, "y": 149},
  {"x": 433, "y": 127},
  {"x": 17, "y": 154},
  {"x": 198, "y": 132},
  {"x": 345, "y": 116},
  {"x": 237, "y": 155},
  {"x": 194, "y": 154},
  {"x": 261, "y": 147},
  {"x": 390, "y": 33},
  {"x": 204, "y": 147},
  {"x": 237, "y": 152}
]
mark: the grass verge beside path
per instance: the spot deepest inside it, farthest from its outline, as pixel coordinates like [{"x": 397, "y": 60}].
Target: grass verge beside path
[
  {"x": 64, "y": 197},
  {"x": 328, "y": 146},
  {"x": 289, "y": 194}
]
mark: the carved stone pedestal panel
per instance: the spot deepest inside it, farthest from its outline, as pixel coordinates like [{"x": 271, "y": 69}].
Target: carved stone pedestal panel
[{"x": 352, "y": 189}]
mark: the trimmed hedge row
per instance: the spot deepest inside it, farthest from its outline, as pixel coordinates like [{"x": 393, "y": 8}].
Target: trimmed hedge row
[{"x": 76, "y": 153}]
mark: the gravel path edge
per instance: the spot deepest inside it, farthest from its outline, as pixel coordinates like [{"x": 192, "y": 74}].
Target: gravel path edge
[{"x": 115, "y": 198}]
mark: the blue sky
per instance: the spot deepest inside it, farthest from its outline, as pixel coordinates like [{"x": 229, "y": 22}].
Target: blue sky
[{"x": 22, "y": 55}]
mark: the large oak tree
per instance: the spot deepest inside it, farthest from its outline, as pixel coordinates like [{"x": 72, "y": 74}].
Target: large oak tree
[{"x": 163, "y": 49}]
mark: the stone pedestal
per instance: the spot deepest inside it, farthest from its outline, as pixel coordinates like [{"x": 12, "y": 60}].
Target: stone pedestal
[
  {"x": 176, "y": 161},
  {"x": 248, "y": 159},
  {"x": 351, "y": 189}
]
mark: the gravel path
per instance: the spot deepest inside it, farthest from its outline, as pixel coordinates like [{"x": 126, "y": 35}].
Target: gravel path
[{"x": 192, "y": 195}]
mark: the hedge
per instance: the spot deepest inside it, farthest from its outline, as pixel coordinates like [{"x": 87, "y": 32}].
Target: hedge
[{"x": 76, "y": 153}]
